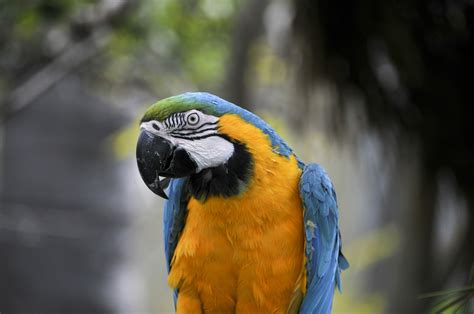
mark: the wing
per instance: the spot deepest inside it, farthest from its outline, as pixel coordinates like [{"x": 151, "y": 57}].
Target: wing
[
  {"x": 324, "y": 259},
  {"x": 174, "y": 217}
]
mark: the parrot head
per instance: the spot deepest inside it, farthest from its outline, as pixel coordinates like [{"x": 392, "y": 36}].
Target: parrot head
[{"x": 181, "y": 136}]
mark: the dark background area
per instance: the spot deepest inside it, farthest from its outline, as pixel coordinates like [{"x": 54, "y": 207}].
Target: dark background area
[{"x": 379, "y": 93}]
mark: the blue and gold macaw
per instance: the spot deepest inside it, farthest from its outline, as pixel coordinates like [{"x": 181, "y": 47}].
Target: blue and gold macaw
[{"x": 248, "y": 227}]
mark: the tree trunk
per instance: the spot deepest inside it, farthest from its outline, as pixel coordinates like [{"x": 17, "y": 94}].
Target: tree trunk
[{"x": 248, "y": 27}]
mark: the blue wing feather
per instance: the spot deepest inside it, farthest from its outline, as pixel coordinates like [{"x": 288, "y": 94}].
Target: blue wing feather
[
  {"x": 324, "y": 259},
  {"x": 174, "y": 216}
]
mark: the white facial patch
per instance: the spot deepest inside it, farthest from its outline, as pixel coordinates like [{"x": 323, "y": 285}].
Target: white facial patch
[
  {"x": 196, "y": 133},
  {"x": 208, "y": 152}
]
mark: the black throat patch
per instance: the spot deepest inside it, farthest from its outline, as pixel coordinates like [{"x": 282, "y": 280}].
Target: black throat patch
[{"x": 225, "y": 180}]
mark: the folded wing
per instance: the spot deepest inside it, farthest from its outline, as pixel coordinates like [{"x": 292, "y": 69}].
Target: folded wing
[{"x": 324, "y": 259}]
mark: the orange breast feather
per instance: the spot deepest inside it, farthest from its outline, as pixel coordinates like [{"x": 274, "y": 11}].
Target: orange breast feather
[{"x": 244, "y": 253}]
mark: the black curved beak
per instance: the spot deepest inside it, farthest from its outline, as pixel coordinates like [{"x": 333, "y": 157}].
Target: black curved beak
[{"x": 157, "y": 157}]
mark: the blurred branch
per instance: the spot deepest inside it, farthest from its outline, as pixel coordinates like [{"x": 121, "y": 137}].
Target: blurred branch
[
  {"x": 53, "y": 72},
  {"x": 92, "y": 20},
  {"x": 101, "y": 13}
]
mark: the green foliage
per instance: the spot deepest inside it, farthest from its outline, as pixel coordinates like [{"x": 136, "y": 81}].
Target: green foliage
[
  {"x": 27, "y": 23},
  {"x": 163, "y": 38},
  {"x": 452, "y": 301},
  {"x": 156, "y": 41},
  {"x": 29, "y": 30}
]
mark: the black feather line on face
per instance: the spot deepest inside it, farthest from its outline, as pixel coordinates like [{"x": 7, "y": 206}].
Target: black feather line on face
[
  {"x": 175, "y": 121},
  {"x": 225, "y": 180},
  {"x": 195, "y": 138},
  {"x": 191, "y": 132},
  {"x": 202, "y": 125},
  {"x": 178, "y": 120}
]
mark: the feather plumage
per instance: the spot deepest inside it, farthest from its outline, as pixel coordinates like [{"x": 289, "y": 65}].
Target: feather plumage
[
  {"x": 323, "y": 240},
  {"x": 262, "y": 225}
]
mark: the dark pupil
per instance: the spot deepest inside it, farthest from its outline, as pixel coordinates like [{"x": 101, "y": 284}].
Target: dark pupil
[
  {"x": 155, "y": 126},
  {"x": 192, "y": 119}
]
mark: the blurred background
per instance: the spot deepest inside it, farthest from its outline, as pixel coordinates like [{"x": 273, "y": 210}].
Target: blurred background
[{"x": 378, "y": 92}]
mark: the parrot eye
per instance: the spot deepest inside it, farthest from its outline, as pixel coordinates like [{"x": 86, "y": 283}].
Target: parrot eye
[
  {"x": 193, "y": 119},
  {"x": 155, "y": 126}
]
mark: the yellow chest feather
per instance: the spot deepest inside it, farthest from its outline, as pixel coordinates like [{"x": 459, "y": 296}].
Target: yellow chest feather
[{"x": 244, "y": 253}]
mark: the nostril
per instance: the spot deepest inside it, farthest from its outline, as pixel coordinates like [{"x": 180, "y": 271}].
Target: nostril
[{"x": 155, "y": 126}]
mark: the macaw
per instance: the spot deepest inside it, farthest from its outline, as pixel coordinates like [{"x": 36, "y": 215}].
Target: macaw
[{"x": 248, "y": 227}]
